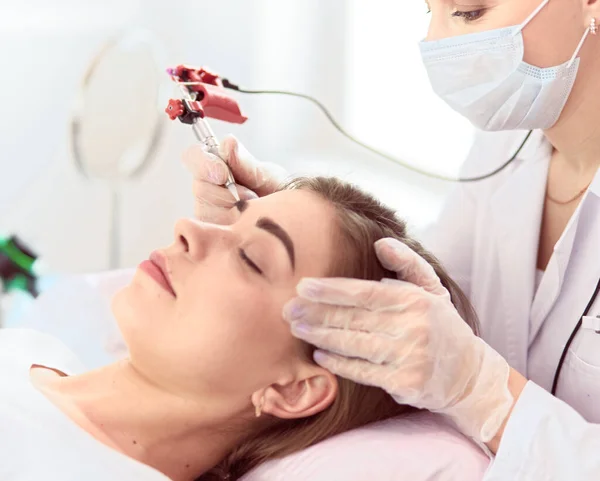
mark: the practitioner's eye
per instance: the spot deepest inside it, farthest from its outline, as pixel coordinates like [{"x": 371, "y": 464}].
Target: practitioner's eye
[{"x": 470, "y": 15}]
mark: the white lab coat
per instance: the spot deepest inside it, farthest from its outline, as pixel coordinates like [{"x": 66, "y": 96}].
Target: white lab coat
[{"x": 487, "y": 237}]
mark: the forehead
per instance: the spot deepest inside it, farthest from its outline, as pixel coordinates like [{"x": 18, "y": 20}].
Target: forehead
[{"x": 308, "y": 219}]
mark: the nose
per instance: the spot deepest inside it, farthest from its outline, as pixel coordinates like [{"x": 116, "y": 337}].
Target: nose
[
  {"x": 439, "y": 26},
  {"x": 435, "y": 30},
  {"x": 198, "y": 238}
]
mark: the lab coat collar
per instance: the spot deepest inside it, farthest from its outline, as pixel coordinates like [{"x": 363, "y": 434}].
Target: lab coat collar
[
  {"x": 516, "y": 208},
  {"x": 553, "y": 279},
  {"x": 564, "y": 246},
  {"x": 537, "y": 147}
]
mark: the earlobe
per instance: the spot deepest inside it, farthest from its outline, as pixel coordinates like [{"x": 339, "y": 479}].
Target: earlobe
[
  {"x": 591, "y": 9},
  {"x": 302, "y": 397},
  {"x": 259, "y": 407}
]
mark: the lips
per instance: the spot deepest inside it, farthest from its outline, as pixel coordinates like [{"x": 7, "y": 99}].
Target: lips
[{"x": 160, "y": 261}]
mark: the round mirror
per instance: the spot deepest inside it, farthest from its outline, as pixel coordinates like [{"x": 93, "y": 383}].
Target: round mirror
[{"x": 118, "y": 118}]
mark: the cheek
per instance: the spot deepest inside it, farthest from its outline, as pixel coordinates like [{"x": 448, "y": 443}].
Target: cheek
[
  {"x": 551, "y": 39},
  {"x": 239, "y": 318},
  {"x": 225, "y": 330},
  {"x": 230, "y": 330},
  {"x": 140, "y": 308}
]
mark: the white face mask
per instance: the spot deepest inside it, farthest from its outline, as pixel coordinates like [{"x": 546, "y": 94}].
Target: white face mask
[{"x": 484, "y": 78}]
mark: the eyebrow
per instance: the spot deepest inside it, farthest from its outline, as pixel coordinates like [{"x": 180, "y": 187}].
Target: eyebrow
[{"x": 272, "y": 227}]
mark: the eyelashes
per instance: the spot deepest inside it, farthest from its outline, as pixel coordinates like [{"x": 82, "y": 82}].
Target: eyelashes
[
  {"x": 466, "y": 16},
  {"x": 469, "y": 16},
  {"x": 249, "y": 262}
]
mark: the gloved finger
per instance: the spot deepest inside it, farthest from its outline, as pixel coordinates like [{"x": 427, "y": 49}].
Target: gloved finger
[
  {"x": 212, "y": 194},
  {"x": 246, "y": 169},
  {"x": 245, "y": 193},
  {"x": 409, "y": 266},
  {"x": 214, "y": 203},
  {"x": 375, "y": 348},
  {"x": 407, "y": 388},
  {"x": 217, "y": 195},
  {"x": 369, "y": 295},
  {"x": 204, "y": 166},
  {"x": 357, "y": 370},
  {"x": 369, "y": 374},
  {"x": 384, "y": 321},
  {"x": 212, "y": 214}
]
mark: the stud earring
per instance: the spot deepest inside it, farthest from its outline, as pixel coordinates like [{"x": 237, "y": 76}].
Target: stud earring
[
  {"x": 593, "y": 26},
  {"x": 258, "y": 409}
]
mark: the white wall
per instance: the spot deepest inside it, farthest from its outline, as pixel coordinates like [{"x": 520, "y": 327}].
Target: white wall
[
  {"x": 390, "y": 100},
  {"x": 330, "y": 49},
  {"x": 45, "y": 49},
  {"x": 65, "y": 217}
]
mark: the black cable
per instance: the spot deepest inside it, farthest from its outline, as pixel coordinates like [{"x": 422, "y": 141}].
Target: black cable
[
  {"x": 573, "y": 334},
  {"x": 335, "y": 123}
]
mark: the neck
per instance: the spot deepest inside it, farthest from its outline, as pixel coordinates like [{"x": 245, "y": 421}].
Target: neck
[
  {"x": 576, "y": 136},
  {"x": 179, "y": 436}
]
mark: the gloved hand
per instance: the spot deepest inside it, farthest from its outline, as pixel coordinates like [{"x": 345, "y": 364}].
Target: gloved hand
[
  {"x": 407, "y": 338},
  {"x": 253, "y": 178}
]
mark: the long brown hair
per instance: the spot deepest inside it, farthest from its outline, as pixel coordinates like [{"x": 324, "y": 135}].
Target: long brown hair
[{"x": 361, "y": 220}]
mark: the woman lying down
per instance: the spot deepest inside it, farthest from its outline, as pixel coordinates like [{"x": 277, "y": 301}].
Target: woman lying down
[{"x": 214, "y": 384}]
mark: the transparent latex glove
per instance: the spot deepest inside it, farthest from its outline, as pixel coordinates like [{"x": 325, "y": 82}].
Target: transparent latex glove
[
  {"x": 406, "y": 337},
  {"x": 253, "y": 178}
]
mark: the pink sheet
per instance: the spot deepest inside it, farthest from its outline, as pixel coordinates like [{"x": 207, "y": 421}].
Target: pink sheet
[{"x": 422, "y": 447}]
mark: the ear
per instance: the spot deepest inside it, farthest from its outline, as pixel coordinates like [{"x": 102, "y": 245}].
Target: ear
[{"x": 308, "y": 393}]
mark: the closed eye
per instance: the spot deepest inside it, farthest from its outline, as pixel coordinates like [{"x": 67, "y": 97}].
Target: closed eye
[{"x": 250, "y": 263}]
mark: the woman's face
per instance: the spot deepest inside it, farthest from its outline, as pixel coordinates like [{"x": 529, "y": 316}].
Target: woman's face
[
  {"x": 550, "y": 38},
  {"x": 223, "y": 330}
]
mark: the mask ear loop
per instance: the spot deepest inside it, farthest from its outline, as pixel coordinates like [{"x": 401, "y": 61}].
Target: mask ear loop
[
  {"x": 531, "y": 17},
  {"x": 593, "y": 29}
]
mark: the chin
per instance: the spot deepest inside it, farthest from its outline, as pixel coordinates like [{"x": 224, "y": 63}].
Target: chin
[
  {"x": 119, "y": 304},
  {"x": 127, "y": 310},
  {"x": 139, "y": 316}
]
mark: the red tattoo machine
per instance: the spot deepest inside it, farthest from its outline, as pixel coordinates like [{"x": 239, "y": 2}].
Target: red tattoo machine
[{"x": 204, "y": 96}]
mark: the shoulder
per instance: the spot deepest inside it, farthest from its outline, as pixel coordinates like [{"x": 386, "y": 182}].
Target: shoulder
[
  {"x": 27, "y": 418},
  {"x": 491, "y": 150},
  {"x": 27, "y": 346},
  {"x": 420, "y": 447}
]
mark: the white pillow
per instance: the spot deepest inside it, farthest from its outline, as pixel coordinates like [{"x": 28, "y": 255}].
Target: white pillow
[
  {"x": 418, "y": 447},
  {"x": 77, "y": 310}
]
